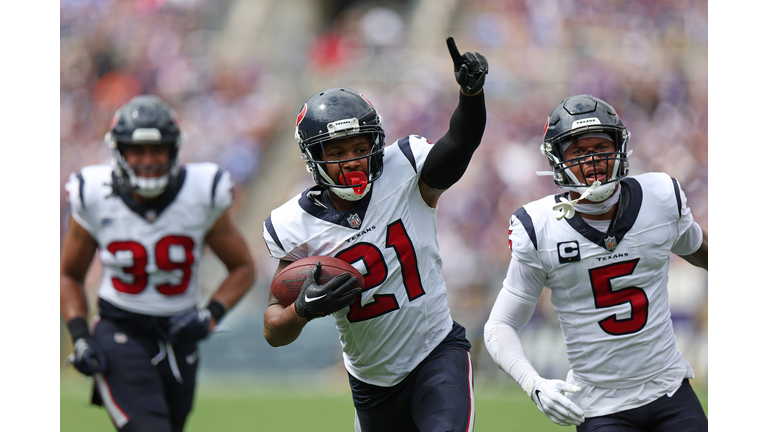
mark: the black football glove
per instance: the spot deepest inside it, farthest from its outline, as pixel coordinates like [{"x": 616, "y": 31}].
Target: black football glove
[
  {"x": 319, "y": 300},
  {"x": 88, "y": 358},
  {"x": 470, "y": 69},
  {"x": 190, "y": 326}
]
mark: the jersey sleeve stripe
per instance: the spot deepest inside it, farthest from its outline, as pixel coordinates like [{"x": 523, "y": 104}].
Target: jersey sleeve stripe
[
  {"x": 405, "y": 146},
  {"x": 216, "y": 179},
  {"x": 272, "y": 232},
  {"x": 525, "y": 219},
  {"x": 677, "y": 196},
  {"x": 81, "y": 187}
]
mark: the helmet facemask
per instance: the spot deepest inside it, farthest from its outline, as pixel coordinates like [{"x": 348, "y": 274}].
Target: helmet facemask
[
  {"x": 350, "y": 186},
  {"x": 565, "y": 170},
  {"x": 147, "y": 180}
]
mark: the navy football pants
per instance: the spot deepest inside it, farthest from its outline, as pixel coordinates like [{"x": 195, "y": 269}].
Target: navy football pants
[
  {"x": 149, "y": 384},
  {"x": 680, "y": 413},
  {"x": 436, "y": 397}
]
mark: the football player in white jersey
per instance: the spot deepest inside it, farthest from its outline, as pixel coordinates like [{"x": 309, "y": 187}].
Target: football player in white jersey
[
  {"x": 375, "y": 207},
  {"x": 150, "y": 220},
  {"x": 602, "y": 248}
]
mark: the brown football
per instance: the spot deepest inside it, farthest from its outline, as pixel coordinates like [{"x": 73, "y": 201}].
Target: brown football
[{"x": 286, "y": 286}]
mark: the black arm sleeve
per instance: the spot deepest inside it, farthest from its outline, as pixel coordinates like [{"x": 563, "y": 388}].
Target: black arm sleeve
[{"x": 449, "y": 158}]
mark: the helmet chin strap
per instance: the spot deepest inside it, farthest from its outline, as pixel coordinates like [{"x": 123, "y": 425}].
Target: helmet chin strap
[
  {"x": 146, "y": 187},
  {"x": 601, "y": 193},
  {"x": 566, "y": 207},
  {"x": 149, "y": 187},
  {"x": 599, "y": 207},
  {"x": 350, "y": 193},
  {"x": 598, "y": 194}
]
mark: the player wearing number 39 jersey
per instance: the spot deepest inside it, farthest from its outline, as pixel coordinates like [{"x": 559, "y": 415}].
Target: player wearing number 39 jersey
[
  {"x": 606, "y": 263},
  {"x": 150, "y": 220},
  {"x": 375, "y": 207},
  {"x": 150, "y": 262}
]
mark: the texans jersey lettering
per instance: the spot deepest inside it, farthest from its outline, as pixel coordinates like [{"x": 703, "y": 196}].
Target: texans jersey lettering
[
  {"x": 151, "y": 255},
  {"x": 391, "y": 240}
]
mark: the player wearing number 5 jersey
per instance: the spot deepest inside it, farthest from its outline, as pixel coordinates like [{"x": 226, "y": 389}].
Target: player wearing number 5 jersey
[
  {"x": 375, "y": 207},
  {"x": 606, "y": 262},
  {"x": 150, "y": 220}
]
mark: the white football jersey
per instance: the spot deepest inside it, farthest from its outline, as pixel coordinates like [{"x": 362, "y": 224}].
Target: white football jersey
[
  {"x": 151, "y": 252},
  {"x": 610, "y": 291},
  {"x": 390, "y": 236}
]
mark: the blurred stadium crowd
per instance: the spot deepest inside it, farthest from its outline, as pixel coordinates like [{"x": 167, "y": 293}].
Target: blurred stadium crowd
[{"x": 647, "y": 58}]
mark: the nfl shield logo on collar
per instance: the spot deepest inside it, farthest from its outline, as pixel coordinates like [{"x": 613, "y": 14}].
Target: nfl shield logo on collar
[
  {"x": 150, "y": 215},
  {"x": 610, "y": 243},
  {"x": 354, "y": 221}
]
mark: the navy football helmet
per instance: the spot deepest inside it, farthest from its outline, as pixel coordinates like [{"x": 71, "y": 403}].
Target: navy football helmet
[
  {"x": 336, "y": 113},
  {"x": 578, "y": 117},
  {"x": 144, "y": 119}
]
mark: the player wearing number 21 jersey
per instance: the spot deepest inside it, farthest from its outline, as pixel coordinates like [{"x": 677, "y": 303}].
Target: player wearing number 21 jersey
[
  {"x": 606, "y": 263},
  {"x": 150, "y": 220},
  {"x": 375, "y": 208},
  {"x": 387, "y": 330}
]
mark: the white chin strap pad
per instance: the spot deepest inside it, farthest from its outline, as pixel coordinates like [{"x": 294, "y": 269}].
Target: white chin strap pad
[
  {"x": 149, "y": 187},
  {"x": 348, "y": 194},
  {"x": 601, "y": 193},
  {"x": 566, "y": 208},
  {"x": 345, "y": 193}
]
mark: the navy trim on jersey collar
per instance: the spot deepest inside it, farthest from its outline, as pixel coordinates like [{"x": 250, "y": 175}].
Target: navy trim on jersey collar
[
  {"x": 157, "y": 205},
  {"x": 525, "y": 219},
  {"x": 272, "y": 232},
  {"x": 621, "y": 226},
  {"x": 677, "y": 196},
  {"x": 405, "y": 146},
  {"x": 332, "y": 215}
]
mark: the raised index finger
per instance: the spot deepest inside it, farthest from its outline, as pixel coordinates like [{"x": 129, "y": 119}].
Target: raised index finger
[{"x": 455, "y": 54}]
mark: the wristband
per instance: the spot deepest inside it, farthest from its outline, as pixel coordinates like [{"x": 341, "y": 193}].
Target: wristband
[
  {"x": 78, "y": 328},
  {"x": 217, "y": 309}
]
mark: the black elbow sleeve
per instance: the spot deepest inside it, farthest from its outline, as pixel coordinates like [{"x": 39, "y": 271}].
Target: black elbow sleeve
[{"x": 449, "y": 158}]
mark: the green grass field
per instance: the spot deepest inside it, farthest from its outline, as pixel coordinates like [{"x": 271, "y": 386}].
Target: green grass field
[{"x": 241, "y": 408}]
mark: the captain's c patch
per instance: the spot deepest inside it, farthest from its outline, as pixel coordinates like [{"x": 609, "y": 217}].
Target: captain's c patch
[{"x": 568, "y": 252}]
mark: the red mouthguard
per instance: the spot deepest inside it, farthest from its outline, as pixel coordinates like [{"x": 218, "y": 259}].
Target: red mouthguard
[{"x": 354, "y": 177}]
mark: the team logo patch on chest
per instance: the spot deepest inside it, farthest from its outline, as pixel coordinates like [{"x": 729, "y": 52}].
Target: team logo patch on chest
[
  {"x": 610, "y": 243},
  {"x": 568, "y": 252},
  {"x": 354, "y": 221}
]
